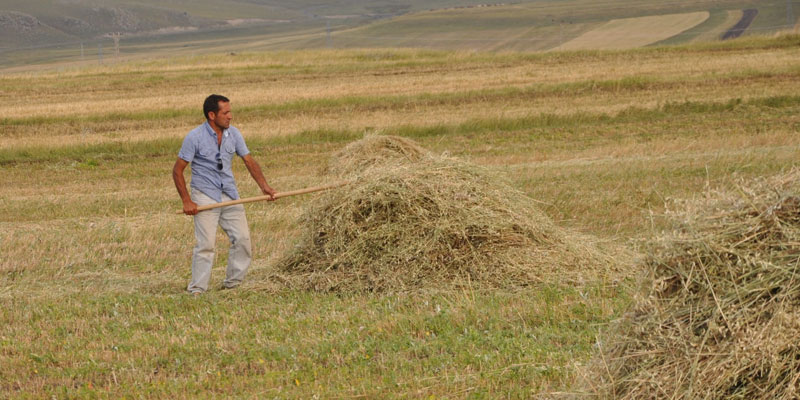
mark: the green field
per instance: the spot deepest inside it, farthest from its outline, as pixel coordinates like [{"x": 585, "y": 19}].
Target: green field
[{"x": 95, "y": 261}]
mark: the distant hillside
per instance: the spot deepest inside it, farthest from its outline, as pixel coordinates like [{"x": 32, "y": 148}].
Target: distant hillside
[
  {"x": 41, "y": 23},
  {"x": 38, "y": 31},
  {"x": 35, "y": 25},
  {"x": 549, "y": 24}
]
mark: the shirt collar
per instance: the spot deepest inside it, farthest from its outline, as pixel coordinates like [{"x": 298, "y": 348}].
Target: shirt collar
[{"x": 214, "y": 134}]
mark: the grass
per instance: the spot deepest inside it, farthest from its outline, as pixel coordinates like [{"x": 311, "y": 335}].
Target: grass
[
  {"x": 469, "y": 343},
  {"x": 281, "y": 91},
  {"x": 95, "y": 261}
]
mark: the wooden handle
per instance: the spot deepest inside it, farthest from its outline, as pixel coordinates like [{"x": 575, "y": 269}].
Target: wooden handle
[{"x": 262, "y": 198}]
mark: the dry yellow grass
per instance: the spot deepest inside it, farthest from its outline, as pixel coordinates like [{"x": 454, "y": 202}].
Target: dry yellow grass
[
  {"x": 628, "y": 33},
  {"x": 356, "y": 119},
  {"x": 181, "y": 92},
  {"x": 689, "y": 76},
  {"x": 94, "y": 260}
]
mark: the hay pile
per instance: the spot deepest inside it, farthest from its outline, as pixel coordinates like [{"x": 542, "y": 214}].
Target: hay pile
[
  {"x": 719, "y": 314},
  {"x": 376, "y": 150},
  {"x": 414, "y": 220}
]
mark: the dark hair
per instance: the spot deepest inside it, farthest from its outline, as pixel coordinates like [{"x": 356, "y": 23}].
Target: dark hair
[{"x": 212, "y": 103}]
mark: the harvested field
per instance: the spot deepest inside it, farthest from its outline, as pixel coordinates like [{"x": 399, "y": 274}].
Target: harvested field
[
  {"x": 94, "y": 261},
  {"x": 731, "y": 17},
  {"x": 719, "y": 315},
  {"x": 747, "y": 18},
  {"x": 628, "y": 33},
  {"x": 411, "y": 220}
]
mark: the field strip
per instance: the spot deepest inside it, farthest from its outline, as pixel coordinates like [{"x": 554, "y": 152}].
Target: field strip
[
  {"x": 253, "y": 89},
  {"x": 629, "y": 33},
  {"x": 582, "y": 162},
  {"x": 741, "y": 26},
  {"x": 108, "y": 116},
  {"x": 731, "y": 18},
  {"x": 144, "y": 219},
  {"x": 349, "y": 122},
  {"x": 141, "y": 221}
]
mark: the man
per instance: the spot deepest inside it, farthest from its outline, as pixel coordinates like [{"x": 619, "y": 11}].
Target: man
[{"x": 210, "y": 148}]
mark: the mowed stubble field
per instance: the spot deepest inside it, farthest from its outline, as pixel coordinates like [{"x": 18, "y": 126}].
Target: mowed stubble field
[{"x": 95, "y": 260}]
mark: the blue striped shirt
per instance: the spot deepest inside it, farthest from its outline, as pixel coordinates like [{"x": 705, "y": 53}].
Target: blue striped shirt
[{"x": 200, "y": 149}]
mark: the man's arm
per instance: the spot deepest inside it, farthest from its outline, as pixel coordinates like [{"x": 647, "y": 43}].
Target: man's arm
[
  {"x": 255, "y": 172},
  {"x": 189, "y": 207}
]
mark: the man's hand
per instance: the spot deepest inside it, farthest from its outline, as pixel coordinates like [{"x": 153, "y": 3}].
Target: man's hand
[
  {"x": 255, "y": 172},
  {"x": 189, "y": 207},
  {"x": 268, "y": 191}
]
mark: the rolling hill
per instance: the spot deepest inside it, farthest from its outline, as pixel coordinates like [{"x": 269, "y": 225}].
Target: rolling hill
[
  {"x": 37, "y": 32},
  {"x": 545, "y": 25}
]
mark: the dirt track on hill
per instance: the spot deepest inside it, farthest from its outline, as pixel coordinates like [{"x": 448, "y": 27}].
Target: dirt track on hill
[{"x": 737, "y": 30}]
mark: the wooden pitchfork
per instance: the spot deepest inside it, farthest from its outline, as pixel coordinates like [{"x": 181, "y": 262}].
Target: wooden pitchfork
[{"x": 277, "y": 196}]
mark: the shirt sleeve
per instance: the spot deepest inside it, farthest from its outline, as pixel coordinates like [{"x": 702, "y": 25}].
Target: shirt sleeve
[
  {"x": 241, "y": 147},
  {"x": 188, "y": 149}
]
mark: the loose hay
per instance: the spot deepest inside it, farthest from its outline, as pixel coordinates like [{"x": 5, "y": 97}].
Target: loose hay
[
  {"x": 375, "y": 150},
  {"x": 719, "y": 314},
  {"x": 433, "y": 223}
]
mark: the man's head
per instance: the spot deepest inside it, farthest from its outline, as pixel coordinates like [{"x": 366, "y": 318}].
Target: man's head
[{"x": 217, "y": 109}]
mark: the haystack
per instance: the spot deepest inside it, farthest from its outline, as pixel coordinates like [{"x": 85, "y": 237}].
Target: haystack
[
  {"x": 719, "y": 313},
  {"x": 433, "y": 222},
  {"x": 375, "y": 150}
]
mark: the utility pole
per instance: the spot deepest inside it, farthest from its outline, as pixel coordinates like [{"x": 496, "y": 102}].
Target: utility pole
[
  {"x": 100, "y": 53},
  {"x": 560, "y": 30},
  {"x": 115, "y": 37},
  {"x": 328, "y": 29},
  {"x": 81, "y": 51},
  {"x": 789, "y": 15}
]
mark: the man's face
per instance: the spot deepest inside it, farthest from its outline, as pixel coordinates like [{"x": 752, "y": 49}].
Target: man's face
[{"x": 223, "y": 117}]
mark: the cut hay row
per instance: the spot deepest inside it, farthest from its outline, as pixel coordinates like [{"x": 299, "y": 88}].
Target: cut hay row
[
  {"x": 415, "y": 220},
  {"x": 719, "y": 314}
]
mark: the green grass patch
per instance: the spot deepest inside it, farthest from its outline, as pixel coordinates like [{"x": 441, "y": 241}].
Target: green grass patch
[{"x": 287, "y": 343}]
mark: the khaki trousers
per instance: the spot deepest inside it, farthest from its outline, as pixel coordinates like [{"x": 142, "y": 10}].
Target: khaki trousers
[{"x": 234, "y": 224}]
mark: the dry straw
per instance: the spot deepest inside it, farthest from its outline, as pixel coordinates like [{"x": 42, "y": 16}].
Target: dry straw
[
  {"x": 376, "y": 150},
  {"x": 413, "y": 220},
  {"x": 719, "y": 313}
]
